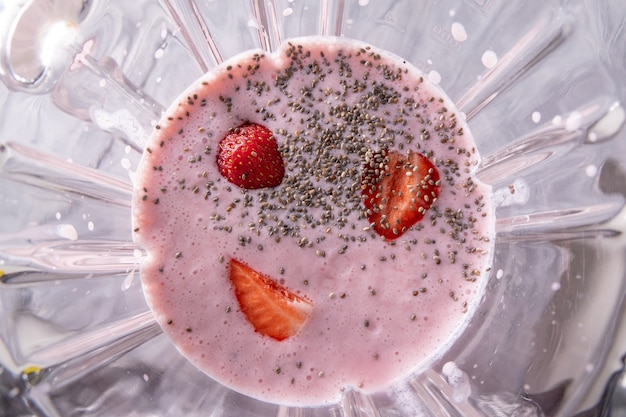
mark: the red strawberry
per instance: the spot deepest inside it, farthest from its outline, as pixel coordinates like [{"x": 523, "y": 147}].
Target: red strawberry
[
  {"x": 397, "y": 190},
  {"x": 271, "y": 309},
  {"x": 248, "y": 156}
]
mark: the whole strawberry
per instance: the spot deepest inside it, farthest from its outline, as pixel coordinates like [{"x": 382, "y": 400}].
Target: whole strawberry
[{"x": 248, "y": 157}]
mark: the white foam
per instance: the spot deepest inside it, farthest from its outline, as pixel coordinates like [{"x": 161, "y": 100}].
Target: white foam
[
  {"x": 489, "y": 59},
  {"x": 573, "y": 122},
  {"x": 458, "y": 32},
  {"x": 67, "y": 231},
  {"x": 59, "y": 36},
  {"x": 254, "y": 24},
  {"x": 517, "y": 192},
  {"x": 128, "y": 281},
  {"x": 458, "y": 381},
  {"x": 536, "y": 117},
  {"x": 609, "y": 124},
  {"x": 125, "y": 162},
  {"x": 434, "y": 77},
  {"x": 123, "y": 121}
]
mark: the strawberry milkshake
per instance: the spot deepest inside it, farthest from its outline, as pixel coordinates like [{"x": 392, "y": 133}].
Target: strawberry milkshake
[{"x": 312, "y": 222}]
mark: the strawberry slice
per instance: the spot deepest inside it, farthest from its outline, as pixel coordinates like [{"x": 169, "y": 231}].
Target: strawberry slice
[
  {"x": 272, "y": 310},
  {"x": 248, "y": 157},
  {"x": 397, "y": 190}
]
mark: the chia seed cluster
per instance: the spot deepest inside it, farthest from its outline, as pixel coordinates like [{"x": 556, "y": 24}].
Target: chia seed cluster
[{"x": 339, "y": 126}]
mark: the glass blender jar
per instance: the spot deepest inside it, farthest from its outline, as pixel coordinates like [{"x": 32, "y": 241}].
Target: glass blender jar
[{"x": 541, "y": 84}]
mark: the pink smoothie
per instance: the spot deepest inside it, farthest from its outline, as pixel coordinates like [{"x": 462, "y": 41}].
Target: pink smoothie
[{"x": 381, "y": 310}]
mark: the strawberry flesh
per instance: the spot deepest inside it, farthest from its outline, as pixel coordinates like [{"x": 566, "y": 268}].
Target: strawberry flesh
[
  {"x": 248, "y": 156},
  {"x": 272, "y": 310},
  {"x": 397, "y": 190}
]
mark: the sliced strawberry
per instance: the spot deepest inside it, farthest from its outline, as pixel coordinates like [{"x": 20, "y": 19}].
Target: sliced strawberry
[
  {"x": 397, "y": 190},
  {"x": 248, "y": 157},
  {"x": 271, "y": 309}
]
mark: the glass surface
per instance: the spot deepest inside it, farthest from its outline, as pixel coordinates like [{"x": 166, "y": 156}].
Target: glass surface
[{"x": 542, "y": 84}]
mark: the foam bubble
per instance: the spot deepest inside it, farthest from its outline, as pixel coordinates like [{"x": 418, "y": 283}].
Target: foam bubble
[
  {"x": 58, "y": 36},
  {"x": 122, "y": 120},
  {"x": 517, "y": 192},
  {"x": 67, "y": 231},
  {"x": 254, "y": 24},
  {"x": 125, "y": 162},
  {"x": 128, "y": 281},
  {"x": 609, "y": 124},
  {"x": 591, "y": 171},
  {"x": 434, "y": 77},
  {"x": 489, "y": 59},
  {"x": 458, "y": 32},
  {"x": 573, "y": 121},
  {"x": 458, "y": 380},
  {"x": 536, "y": 117}
]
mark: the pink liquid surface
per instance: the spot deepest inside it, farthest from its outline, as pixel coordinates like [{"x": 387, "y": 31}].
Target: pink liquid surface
[{"x": 381, "y": 310}]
